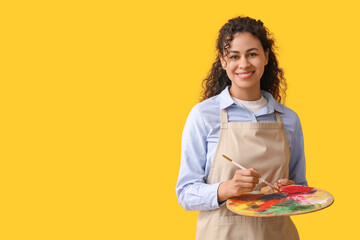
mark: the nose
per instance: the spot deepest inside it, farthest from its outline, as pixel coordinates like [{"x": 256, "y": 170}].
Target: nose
[{"x": 244, "y": 63}]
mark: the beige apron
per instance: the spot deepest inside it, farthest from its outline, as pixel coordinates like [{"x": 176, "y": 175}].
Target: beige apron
[{"x": 262, "y": 146}]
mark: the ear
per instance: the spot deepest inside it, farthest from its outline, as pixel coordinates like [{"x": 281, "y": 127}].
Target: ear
[
  {"x": 266, "y": 57},
  {"x": 223, "y": 62}
]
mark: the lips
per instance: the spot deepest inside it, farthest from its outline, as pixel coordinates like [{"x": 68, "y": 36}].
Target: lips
[{"x": 244, "y": 75}]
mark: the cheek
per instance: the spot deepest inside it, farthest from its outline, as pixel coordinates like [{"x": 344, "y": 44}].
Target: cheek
[
  {"x": 230, "y": 71},
  {"x": 231, "y": 67},
  {"x": 261, "y": 64}
]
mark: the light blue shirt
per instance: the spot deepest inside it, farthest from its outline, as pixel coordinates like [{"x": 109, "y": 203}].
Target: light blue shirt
[{"x": 200, "y": 138}]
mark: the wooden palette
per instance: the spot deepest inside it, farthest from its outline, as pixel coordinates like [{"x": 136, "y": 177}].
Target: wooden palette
[{"x": 291, "y": 200}]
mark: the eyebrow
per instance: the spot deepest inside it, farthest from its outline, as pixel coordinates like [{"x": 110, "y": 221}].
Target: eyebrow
[{"x": 249, "y": 50}]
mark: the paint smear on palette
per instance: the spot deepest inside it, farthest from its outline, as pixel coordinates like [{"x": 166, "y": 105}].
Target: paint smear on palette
[{"x": 291, "y": 200}]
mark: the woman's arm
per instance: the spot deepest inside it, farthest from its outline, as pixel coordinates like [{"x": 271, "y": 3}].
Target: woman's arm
[
  {"x": 297, "y": 156},
  {"x": 191, "y": 190}
]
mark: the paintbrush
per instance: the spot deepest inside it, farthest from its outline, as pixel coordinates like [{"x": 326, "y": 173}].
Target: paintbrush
[{"x": 260, "y": 179}]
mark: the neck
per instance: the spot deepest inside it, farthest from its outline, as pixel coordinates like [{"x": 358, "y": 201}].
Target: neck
[{"x": 246, "y": 95}]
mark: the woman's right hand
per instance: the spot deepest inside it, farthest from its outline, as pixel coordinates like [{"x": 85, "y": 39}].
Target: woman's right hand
[{"x": 242, "y": 182}]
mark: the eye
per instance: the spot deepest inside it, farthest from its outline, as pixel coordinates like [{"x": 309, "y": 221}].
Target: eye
[
  {"x": 234, "y": 57},
  {"x": 252, "y": 54}
]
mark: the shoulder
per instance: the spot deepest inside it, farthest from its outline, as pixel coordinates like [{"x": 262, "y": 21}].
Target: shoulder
[
  {"x": 210, "y": 104},
  {"x": 205, "y": 113},
  {"x": 289, "y": 113},
  {"x": 291, "y": 120},
  {"x": 206, "y": 107}
]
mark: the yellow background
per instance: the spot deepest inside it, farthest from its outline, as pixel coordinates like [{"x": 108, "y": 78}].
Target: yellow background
[{"x": 95, "y": 94}]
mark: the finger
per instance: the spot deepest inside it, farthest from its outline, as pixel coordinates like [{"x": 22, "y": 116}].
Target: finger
[
  {"x": 271, "y": 190},
  {"x": 268, "y": 189},
  {"x": 246, "y": 179},
  {"x": 240, "y": 183},
  {"x": 244, "y": 190},
  {"x": 245, "y": 173},
  {"x": 246, "y": 185},
  {"x": 247, "y": 190},
  {"x": 251, "y": 172},
  {"x": 283, "y": 181}
]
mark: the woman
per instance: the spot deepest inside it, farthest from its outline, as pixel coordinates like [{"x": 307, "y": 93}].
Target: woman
[{"x": 241, "y": 117}]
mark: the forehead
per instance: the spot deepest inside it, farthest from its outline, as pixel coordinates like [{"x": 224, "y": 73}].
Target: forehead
[{"x": 244, "y": 41}]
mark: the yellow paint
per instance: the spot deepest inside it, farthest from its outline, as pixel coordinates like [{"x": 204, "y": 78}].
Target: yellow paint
[{"x": 241, "y": 207}]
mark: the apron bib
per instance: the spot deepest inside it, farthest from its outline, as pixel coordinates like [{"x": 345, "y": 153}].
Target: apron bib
[{"x": 262, "y": 146}]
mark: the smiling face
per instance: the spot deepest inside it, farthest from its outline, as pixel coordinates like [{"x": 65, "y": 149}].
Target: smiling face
[{"x": 244, "y": 65}]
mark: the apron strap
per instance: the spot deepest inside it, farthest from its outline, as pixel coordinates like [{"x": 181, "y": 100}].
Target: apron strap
[
  {"x": 278, "y": 118},
  {"x": 224, "y": 118}
]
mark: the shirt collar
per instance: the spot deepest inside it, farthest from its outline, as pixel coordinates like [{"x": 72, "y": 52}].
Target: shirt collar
[
  {"x": 226, "y": 100},
  {"x": 272, "y": 103}
]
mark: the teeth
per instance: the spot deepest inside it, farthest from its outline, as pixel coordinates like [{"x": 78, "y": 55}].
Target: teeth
[{"x": 244, "y": 75}]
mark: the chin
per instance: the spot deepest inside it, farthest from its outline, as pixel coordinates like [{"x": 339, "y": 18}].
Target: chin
[{"x": 245, "y": 85}]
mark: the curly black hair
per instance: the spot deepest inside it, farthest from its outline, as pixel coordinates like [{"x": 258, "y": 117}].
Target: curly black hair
[{"x": 272, "y": 80}]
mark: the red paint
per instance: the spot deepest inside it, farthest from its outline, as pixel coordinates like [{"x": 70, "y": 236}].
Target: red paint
[
  {"x": 268, "y": 204},
  {"x": 296, "y": 189},
  {"x": 253, "y": 199}
]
